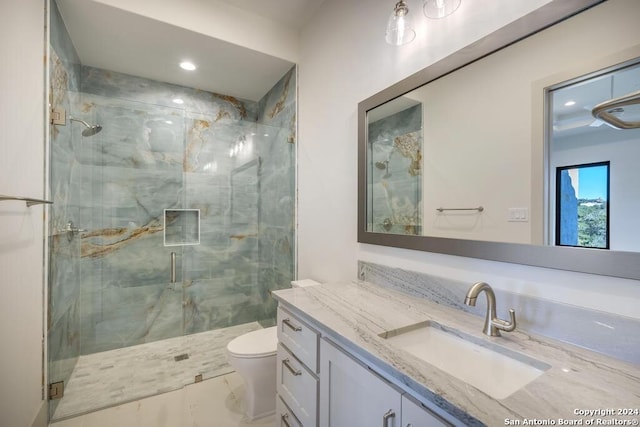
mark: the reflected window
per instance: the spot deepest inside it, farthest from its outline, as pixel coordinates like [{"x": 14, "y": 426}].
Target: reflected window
[
  {"x": 582, "y": 205},
  {"x": 578, "y": 137}
]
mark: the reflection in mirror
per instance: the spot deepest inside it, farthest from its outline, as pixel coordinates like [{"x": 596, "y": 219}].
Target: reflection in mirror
[
  {"x": 582, "y": 205},
  {"x": 578, "y": 199},
  {"x": 395, "y": 148},
  {"x": 487, "y": 177},
  {"x": 470, "y": 177}
]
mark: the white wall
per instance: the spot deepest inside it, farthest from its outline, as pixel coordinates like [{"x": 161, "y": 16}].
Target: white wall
[
  {"x": 343, "y": 61},
  {"x": 21, "y": 228}
]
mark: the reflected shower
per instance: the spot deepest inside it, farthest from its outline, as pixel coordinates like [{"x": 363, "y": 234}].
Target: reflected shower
[
  {"x": 90, "y": 130},
  {"x": 382, "y": 165},
  {"x": 385, "y": 167}
]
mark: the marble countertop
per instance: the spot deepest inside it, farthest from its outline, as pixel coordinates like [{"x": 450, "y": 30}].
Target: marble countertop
[{"x": 354, "y": 313}]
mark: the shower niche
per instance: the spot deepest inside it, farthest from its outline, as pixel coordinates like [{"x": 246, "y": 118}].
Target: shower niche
[{"x": 181, "y": 227}]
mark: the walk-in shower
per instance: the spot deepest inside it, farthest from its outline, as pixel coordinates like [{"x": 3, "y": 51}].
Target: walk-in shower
[{"x": 182, "y": 223}]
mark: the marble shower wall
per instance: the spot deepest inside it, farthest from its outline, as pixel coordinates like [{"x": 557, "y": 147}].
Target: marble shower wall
[{"x": 231, "y": 159}]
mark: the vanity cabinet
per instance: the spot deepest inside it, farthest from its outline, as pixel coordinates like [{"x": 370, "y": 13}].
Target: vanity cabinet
[
  {"x": 296, "y": 371},
  {"x": 320, "y": 384},
  {"x": 351, "y": 394}
]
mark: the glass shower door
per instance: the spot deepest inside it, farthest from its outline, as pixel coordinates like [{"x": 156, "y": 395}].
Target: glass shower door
[
  {"x": 110, "y": 281},
  {"x": 131, "y": 175}
]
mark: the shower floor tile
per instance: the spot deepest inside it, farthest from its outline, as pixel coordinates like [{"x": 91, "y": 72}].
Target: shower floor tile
[{"x": 113, "y": 377}]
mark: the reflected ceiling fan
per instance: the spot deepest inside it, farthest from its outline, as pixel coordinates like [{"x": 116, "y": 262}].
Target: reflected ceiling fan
[
  {"x": 596, "y": 123},
  {"x": 610, "y": 112}
]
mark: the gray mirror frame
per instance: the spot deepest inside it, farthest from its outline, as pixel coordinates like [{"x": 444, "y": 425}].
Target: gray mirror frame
[{"x": 593, "y": 261}]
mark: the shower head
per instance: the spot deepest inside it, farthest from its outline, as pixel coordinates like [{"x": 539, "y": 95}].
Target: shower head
[{"x": 90, "y": 130}]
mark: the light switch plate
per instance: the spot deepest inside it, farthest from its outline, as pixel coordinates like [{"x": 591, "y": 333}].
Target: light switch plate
[{"x": 518, "y": 215}]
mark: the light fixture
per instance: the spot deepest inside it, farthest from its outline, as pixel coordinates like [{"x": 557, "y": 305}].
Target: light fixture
[
  {"x": 186, "y": 65},
  {"x": 436, "y": 9},
  {"x": 569, "y": 103},
  {"x": 399, "y": 28}
]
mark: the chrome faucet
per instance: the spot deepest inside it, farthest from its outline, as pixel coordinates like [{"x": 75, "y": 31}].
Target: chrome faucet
[{"x": 492, "y": 325}]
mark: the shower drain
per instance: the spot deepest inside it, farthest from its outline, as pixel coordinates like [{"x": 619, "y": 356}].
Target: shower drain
[{"x": 181, "y": 357}]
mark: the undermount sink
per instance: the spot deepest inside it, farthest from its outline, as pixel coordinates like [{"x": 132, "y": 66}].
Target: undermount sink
[{"x": 491, "y": 368}]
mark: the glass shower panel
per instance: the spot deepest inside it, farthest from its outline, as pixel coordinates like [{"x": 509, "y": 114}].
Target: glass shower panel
[
  {"x": 63, "y": 323},
  {"x": 277, "y": 210}
]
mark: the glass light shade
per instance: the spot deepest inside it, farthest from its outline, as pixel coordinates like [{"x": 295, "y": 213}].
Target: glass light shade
[
  {"x": 399, "y": 28},
  {"x": 436, "y": 9}
]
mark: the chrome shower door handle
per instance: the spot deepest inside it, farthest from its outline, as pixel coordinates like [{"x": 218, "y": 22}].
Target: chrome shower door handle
[
  {"x": 386, "y": 417},
  {"x": 173, "y": 267}
]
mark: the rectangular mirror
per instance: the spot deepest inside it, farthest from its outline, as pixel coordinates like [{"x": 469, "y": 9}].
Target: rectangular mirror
[{"x": 460, "y": 158}]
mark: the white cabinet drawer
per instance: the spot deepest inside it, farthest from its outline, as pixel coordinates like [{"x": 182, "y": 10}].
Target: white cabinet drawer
[
  {"x": 299, "y": 338},
  {"x": 297, "y": 387},
  {"x": 284, "y": 416}
]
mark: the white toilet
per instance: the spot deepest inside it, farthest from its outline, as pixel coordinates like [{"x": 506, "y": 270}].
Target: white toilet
[{"x": 253, "y": 356}]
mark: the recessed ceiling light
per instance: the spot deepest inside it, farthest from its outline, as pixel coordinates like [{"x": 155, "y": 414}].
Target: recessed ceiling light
[
  {"x": 186, "y": 65},
  {"x": 178, "y": 101},
  {"x": 569, "y": 103}
]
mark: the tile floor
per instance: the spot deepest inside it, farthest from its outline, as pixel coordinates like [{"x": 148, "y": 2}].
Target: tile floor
[
  {"x": 212, "y": 403},
  {"x": 129, "y": 374}
]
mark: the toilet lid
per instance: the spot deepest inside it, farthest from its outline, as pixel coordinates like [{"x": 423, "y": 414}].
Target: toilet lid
[{"x": 255, "y": 344}]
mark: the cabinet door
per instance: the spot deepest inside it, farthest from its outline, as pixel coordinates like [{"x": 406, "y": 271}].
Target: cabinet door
[
  {"x": 352, "y": 395},
  {"x": 415, "y": 415}
]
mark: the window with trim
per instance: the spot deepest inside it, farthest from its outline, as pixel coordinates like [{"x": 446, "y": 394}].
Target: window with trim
[{"x": 582, "y": 205}]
